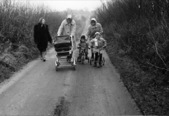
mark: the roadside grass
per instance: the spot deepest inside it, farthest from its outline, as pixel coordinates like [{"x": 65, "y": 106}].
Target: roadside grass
[
  {"x": 151, "y": 97},
  {"x": 17, "y": 45},
  {"x": 137, "y": 32}
]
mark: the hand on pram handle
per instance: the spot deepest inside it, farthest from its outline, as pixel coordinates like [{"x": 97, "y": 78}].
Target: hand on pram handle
[
  {"x": 61, "y": 38},
  {"x": 71, "y": 36}
]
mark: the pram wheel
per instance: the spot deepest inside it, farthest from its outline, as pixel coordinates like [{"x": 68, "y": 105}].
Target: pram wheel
[
  {"x": 79, "y": 59},
  {"x": 57, "y": 65},
  {"x": 74, "y": 64},
  {"x": 91, "y": 61},
  {"x": 56, "y": 68},
  {"x": 68, "y": 59},
  {"x": 88, "y": 59},
  {"x": 83, "y": 59},
  {"x": 74, "y": 67}
]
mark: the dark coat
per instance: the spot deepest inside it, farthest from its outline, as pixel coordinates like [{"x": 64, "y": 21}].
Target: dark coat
[{"x": 42, "y": 36}]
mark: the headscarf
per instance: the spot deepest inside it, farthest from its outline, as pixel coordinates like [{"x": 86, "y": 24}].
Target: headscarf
[
  {"x": 94, "y": 19},
  {"x": 97, "y": 33}
]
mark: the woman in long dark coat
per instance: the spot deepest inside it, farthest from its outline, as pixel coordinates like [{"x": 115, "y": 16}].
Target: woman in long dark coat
[{"x": 42, "y": 37}]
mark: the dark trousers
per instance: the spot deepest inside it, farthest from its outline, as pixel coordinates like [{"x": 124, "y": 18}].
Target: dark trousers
[
  {"x": 96, "y": 56},
  {"x": 42, "y": 48}
]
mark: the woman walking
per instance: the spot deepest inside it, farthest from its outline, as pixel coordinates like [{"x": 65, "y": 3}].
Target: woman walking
[
  {"x": 42, "y": 37},
  {"x": 93, "y": 28}
]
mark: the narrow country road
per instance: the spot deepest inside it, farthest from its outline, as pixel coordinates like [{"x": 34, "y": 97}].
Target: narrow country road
[{"x": 88, "y": 91}]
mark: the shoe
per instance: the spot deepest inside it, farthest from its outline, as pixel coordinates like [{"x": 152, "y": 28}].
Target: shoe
[
  {"x": 41, "y": 58},
  {"x": 87, "y": 58},
  {"x": 44, "y": 59},
  {"x": 95, "y": 64},
  {"x": 78, "y": 59},
  {"x": 99, "y": 66},
  {"x": 92, "y": 59}
]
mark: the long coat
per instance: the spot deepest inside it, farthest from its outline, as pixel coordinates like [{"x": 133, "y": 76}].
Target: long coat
[
  {"x": 67, "y": 29},
  {"x": 42, "y": 36}
]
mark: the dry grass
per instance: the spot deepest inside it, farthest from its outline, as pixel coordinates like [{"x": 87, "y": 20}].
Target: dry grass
[
  {"x": 16, "y": 34},
  {"x": 137, "y": 32},
  {"x": 151, "y": 97}
]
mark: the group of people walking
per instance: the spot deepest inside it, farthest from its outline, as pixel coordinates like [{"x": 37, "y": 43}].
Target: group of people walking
[{"x": 93, "y": 38}]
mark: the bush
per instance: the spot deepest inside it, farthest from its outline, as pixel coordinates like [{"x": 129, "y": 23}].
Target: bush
[
  {"x": 143, "y": 29},
  {"x": 140, "y": 30},
  {"x": 16, "y": 33}
]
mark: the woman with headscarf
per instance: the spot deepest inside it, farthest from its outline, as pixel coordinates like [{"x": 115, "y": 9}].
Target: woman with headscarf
[
  {"x": 42, "y": 37},
  {"x": 93, "y": 28}
]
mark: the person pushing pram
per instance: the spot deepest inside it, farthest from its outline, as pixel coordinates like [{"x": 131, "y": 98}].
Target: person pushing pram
[
  {"x": 64, "y": 43},
  {"x": 68, "y": 28}
]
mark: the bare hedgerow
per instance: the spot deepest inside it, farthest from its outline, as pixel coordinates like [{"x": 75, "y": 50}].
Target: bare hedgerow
[
  {"x": 140, "y": 30},
  {"x": 143, "y": 29},
  {"x": 16, "y": 31}
]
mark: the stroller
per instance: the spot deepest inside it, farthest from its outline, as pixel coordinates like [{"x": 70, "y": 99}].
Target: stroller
[{"x": 64, "y": 50}]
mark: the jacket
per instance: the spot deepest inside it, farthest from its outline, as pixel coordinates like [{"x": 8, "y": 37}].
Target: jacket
[
  {"x": 67, "y": 29},
  {"x": 98, "y": 43},
  {"x": 93, "y": 29},
  {"x": 42, "y": 36}
]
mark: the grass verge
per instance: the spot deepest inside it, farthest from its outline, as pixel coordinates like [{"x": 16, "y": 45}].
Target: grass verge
[{"x": 151, "y": 97}]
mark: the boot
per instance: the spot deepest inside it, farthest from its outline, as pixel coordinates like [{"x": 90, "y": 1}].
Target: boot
[
  {"x": 43, "y": 56},
  {"x": 86, "y": 56},
  {"x": 95, "y": 64}
]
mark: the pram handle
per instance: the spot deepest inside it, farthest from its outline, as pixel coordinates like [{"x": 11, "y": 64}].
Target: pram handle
[
  {"x": 68, "y": 36},
  {"x": 61, "y": 36}
]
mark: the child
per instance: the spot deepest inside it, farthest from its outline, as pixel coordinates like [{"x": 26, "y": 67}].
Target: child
[
  {"x": 83, "y": 45},
  {"x": 98, "y": 43}
]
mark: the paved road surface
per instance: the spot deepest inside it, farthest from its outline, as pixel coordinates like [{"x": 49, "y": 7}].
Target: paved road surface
[{"x": 88, "y": 91}]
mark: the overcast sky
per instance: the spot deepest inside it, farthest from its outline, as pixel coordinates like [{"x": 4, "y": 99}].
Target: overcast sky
[{"x": 67, "y": 4}]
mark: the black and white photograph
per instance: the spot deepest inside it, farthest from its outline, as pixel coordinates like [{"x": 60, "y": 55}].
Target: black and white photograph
[{"x": 84, "y": 57}]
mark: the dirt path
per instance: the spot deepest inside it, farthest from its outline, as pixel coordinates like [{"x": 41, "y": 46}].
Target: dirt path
[{"x": 88, "y": 91}]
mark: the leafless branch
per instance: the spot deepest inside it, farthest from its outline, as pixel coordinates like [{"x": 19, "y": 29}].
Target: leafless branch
[
  {"x": 157, "y": 66},
  {"x": 156, "y": 47}
]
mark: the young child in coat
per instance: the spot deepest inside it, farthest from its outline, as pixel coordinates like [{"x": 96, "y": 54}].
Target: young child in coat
[
  {"x": 83, "y": 45},
  {"x": 97, "y": 44}
]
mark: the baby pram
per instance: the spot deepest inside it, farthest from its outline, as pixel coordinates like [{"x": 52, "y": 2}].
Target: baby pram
[{"x": 64, "y": 50}]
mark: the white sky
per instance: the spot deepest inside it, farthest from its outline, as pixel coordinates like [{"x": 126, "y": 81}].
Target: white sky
[{"x": 67, "y": 4}]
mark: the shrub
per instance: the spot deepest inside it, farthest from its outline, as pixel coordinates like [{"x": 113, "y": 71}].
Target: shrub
[
  {"x": 139, "y": 30},
  {"x": 16, "y": 33},
  {"x": 143, "y": 29}
]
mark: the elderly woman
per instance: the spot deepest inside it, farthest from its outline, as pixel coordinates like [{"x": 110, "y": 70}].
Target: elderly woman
[
  {"x": 42, "y": 37},
  {"x": 68, "y": 27}
]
